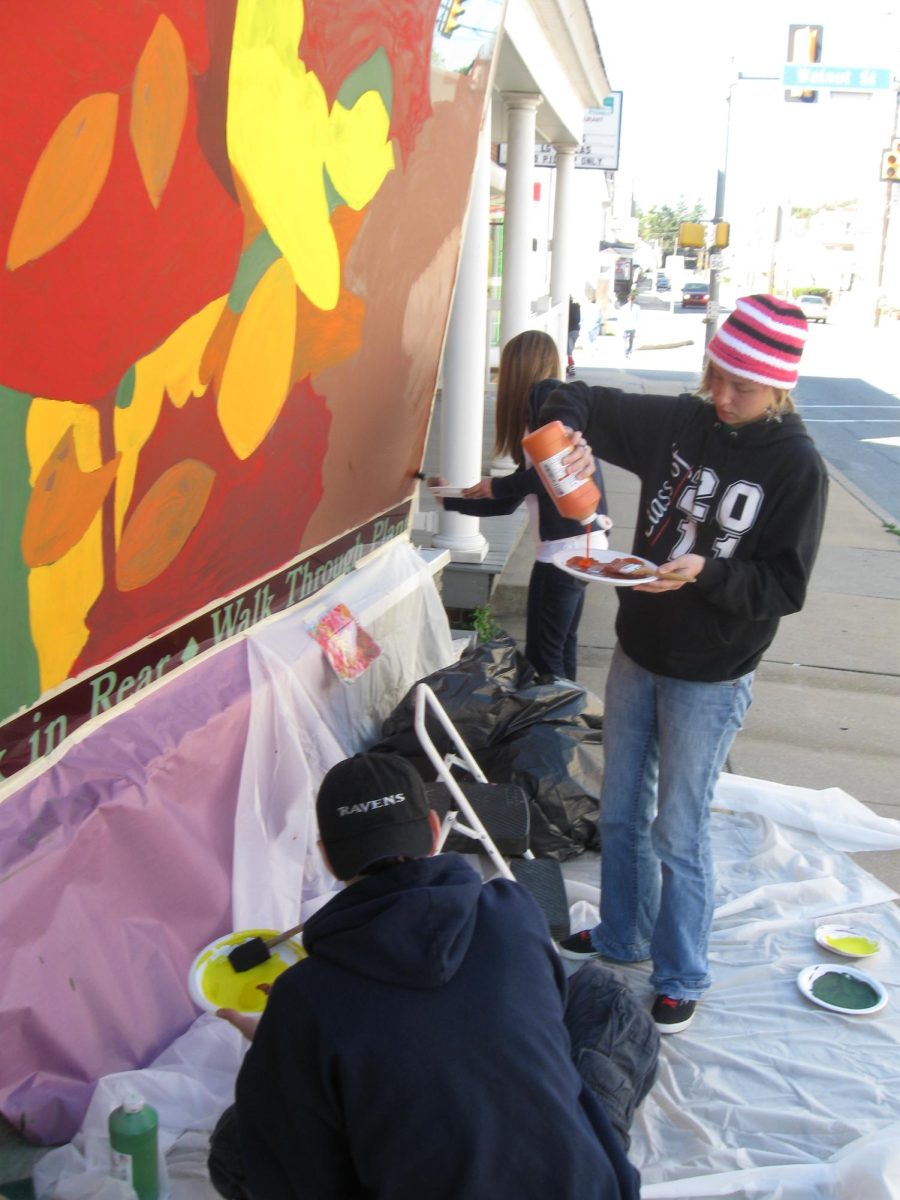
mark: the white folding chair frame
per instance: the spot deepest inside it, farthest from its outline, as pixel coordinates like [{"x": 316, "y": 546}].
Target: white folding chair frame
[{"x": 470, "y": 827}]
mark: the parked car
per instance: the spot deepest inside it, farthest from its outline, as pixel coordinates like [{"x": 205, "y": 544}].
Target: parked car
[
  {"x": 695, "y": 295},
  {"x": 814, "y": 308},
  {"x": 662, "y": 282}
]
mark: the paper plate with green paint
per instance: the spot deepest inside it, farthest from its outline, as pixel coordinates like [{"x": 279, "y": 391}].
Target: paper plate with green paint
[
  {"x": 214, "y": 983},
  {"x": 842, "y": 989},
  {"x": 851, "y": 943}
]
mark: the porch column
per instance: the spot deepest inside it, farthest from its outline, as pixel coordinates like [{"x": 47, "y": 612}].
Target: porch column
[
  {"x": 463, "y": 371},
  {"x": 561, "y": 257},
  {"x": 515, "y": 301}
]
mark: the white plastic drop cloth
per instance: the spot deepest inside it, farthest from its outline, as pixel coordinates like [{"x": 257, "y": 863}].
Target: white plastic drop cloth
[{"x": 766, "y": 1096}]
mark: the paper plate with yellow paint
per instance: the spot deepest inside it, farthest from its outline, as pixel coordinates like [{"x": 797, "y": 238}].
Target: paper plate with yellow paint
[
  {"x": 214, "y": 983},
  {"x": 850, "y": 943}
]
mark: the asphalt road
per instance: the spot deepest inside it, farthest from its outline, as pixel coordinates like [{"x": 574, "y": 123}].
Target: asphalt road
[{"x": 848, "y": 394}]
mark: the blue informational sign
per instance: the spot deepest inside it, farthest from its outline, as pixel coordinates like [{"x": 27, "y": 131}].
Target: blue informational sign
[{"x": 817, "y": 75}]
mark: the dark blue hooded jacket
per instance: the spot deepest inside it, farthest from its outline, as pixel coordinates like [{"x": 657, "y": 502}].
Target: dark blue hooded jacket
[{"x": 419, "y": 1053}]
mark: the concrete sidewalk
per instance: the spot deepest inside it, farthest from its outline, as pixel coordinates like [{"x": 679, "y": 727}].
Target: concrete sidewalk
[{"x": 826, "y": 698}]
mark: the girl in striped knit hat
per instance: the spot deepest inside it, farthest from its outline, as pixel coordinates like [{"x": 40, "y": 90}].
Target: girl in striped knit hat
[{"x": 732, "y": 504}]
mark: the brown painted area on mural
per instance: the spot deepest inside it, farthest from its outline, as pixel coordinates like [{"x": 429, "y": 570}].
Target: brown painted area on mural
[
  {"x": 212, "y": 92},
  {"x": 380, "y": 400}
]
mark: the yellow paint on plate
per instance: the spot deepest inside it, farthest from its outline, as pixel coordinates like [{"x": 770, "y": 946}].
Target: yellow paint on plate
[
  {"x": 852, "y": 944},
  {"x": 226, "y": 988}
]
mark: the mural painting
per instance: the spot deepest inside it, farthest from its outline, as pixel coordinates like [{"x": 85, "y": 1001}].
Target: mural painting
[{"x": 230, "y": 235}]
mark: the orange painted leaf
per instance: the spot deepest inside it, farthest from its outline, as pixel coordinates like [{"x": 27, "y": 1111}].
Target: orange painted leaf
[
  {"x": 67, "y": 179},
  {"x": 162, "y": 523},
  {"x": 159, "y": 102},
  {"x": 63, "y": 503}
]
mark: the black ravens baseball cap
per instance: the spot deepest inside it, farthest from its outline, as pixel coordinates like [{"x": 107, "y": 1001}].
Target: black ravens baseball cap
[{"x": 369, "y": 807}]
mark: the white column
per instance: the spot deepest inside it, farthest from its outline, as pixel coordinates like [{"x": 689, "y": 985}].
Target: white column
[
  {"x": 462, "y": 394},
  {"x": 515, "y": 302},
  {"x": 561, "y": 259}
]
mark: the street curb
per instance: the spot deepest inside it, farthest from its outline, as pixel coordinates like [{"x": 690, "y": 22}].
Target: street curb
[
  {"x": 666, "y": 345},
  {"x": 857, "y": 494}
]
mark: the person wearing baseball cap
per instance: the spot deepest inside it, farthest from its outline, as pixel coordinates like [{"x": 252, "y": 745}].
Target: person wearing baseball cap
[
  {"x": 420, "y": 1049},
  {"x": 731, "y": 508}
]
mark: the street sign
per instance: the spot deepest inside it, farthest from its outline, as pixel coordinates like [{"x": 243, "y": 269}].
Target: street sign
[
  {"x": 716, "y": 262},
  {"x": 599, "y": 149},
  {"x": 816, "y": 75}
]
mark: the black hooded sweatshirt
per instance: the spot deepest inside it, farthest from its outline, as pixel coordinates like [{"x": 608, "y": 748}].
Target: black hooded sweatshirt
[
  {"x": 751, "y": 500},
  {"x": 419, "y": 1053}
]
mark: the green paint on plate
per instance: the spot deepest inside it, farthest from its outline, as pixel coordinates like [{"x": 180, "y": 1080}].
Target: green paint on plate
[
  {"x": 853, "y": 944},
  {"x": 844, "y": 991}
]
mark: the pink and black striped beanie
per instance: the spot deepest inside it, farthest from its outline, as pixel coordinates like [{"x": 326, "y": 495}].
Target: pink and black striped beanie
[{"x": 761, "y": 340}]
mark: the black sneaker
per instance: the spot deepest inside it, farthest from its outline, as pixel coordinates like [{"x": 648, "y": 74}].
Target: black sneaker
[
  {"x": 671, "y": 1016},
  {"x": 578, "y": 946},
  {"x": 570, "y": 372}
]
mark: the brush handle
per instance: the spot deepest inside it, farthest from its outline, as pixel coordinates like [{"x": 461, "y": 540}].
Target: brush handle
[{"x": 283, "y": 937}]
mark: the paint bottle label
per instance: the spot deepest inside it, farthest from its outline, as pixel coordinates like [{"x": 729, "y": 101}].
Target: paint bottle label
[
  {"x": 122, "y": 1166},
  {"x": 554, "y": 470},
  {"x": 547, "y": 447}
]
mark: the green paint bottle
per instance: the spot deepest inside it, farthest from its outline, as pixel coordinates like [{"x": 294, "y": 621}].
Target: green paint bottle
[{"x": 132, "y": 1140}]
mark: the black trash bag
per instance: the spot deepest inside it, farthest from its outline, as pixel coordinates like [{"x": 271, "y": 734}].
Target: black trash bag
[
  {"x": 545, "y": 737},
  {"x": 478, "y": 694},
  {"x": 557, "y": 759}
]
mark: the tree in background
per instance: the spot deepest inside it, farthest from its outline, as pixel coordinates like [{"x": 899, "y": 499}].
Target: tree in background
[{"x": 660, "y": 224}]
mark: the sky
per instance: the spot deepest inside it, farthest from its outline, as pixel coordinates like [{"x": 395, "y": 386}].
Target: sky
[{"x": 674, "y": 64}]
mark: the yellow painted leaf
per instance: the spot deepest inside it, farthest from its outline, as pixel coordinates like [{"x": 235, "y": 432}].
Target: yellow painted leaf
[
  {"x": 67, "y": 179},
  {"x": 159, "y": 100},
  {"x": 257, "y": 374},
  {"x": 278, "y": 137},
  {"x": 359, "y": 154},
  {"x": 63, "y": 503},
  {"x": 162, "y": 523}
]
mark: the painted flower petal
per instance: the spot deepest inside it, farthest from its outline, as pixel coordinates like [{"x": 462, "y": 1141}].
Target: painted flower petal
[
  {"x": 67, "y": 179},
  {"x": 162, "y": 522},
  {"x": 159, "y": 102},
  {"x": 257, "y": 374},
  {"x": 64, "y": 501}
]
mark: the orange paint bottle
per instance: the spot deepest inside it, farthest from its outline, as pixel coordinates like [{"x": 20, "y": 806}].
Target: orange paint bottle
[{"x": 574, "y": 498}]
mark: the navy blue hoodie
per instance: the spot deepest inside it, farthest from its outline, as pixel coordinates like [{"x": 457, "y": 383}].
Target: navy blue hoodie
[{"x": 419, "y": 1053}]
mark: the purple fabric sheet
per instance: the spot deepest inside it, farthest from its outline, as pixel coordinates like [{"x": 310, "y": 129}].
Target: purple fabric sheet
[{"x": 115, "y": 870}]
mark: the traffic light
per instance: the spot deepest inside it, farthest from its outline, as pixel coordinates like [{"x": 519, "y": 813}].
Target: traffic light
[
  {"x": 722, "y": 235},
  {"x": 804, "y": 46},
  {"x": 890, "y": 163},
  {"x": 691, "y": 233},
  {"x": 454, "y": 12}
]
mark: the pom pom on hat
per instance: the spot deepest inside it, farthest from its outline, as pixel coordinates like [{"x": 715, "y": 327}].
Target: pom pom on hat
[{"x": 761, "y": 340}]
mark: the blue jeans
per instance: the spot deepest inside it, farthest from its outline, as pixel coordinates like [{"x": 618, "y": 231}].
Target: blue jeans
[
  {"x": 555, "y": 602},
  {"x": 665, "y": 743}
]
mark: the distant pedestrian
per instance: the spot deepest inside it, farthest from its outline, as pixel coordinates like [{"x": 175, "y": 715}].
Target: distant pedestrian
[
  {"x": 574, "y": 330},
  {"x": 629, "y": 315},
  {"x": 732, "y": 504}
]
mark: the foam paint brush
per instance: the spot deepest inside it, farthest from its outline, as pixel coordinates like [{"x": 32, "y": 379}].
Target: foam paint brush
[{"x": 257, "y": 950}]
